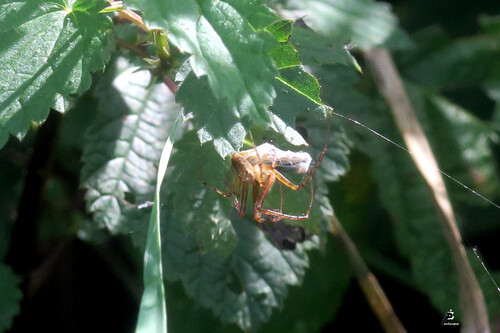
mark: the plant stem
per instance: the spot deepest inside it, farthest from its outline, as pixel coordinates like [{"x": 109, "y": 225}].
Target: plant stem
[{"x": 368, "y": 282}]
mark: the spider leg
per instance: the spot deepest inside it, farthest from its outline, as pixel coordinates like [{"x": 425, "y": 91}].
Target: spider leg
[
  {"x": 273, "y": 166},
  {"x": 277, "y": 215},
  {"x": 215, "y": 189},
  {"x": 244, "y": 194},
  {"x": 259, "y": 198},
  {"x": 281, "y": 198},
  {"x": 238, "y": 187},
  {"x": 283, "y": 180},
  {"x": 320, "y": 158}
]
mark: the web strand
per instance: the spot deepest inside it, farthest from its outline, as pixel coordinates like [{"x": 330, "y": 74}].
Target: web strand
[
  {"x": 476, "y": 252},
  {"x": 411, "y": 153}
]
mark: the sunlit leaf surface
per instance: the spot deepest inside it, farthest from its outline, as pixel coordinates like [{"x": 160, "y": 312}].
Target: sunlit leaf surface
[
  {"x": 124, "y": 144},
  {"x": 48, "y": 50},
  {"x": 363, "y": 23},
  {"x": 224, "y": 47}
]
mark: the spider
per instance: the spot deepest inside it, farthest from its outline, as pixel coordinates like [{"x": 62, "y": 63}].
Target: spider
[{"x": 258, "y": 167}]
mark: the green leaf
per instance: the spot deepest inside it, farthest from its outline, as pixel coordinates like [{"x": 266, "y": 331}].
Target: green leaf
[
  {"x": 216, "y": 122},
  {"x": 214, "y": 119},
  {"x": 242, "y": 288},
  {"x": 11, "y": 297},
  {"x": 291, "y": 73},
  {"x": 467, "y": 150},
  {"x": 196, "y": 206},
  {"x": 317, "y": 300},
  {"x": 47, "y": 53},
  {"x": 298, "y": 92},
  {"x": 185, "y": 315},
  {"x": 302, "y": 82},
  {"x": 316, "y": 49},
  {"x": 258, "y": 14},
  {"x": 124, "y": 145},
  {"x": 364, "y": 23},
  {"x": 290, "y": 103},
  {"x": 153, "y": 311},
  {"x": 285, "y": 55},
  {"x": 441, "y": 62},
  {"x": 224, "y": 47},
  {"x": 336, "y": 161},
  {"x": 281, "y": 30}
]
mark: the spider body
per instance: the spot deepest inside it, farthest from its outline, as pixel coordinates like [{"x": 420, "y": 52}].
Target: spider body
[
  {"x": 283, "y": 161},
  {"x": 259, "y": 168}
]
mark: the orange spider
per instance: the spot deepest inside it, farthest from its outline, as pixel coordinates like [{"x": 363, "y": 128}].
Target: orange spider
[{"x": 258, "y": 167}]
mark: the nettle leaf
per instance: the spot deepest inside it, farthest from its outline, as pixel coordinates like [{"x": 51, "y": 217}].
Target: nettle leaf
[
  {"x": 201, "y": 210},
  {"x": 302, "y": 82},
  {"x": 290, "y": 103},
  {"x": 338, "y": 89},
  {"x": 336, "y": 161},
  {"x": 48, "y": 50},
  {"x": 316, "y": 49},
  {"x": 225, "y": 47},
  {"x": 467, "y": 150},
  {"x": 466, "y": 61},
  {"x": 213, "y": 117},
  {"x": 364, "y": 23},
  {"x": 317, "y": 300},
  {"x": 299, "y": 95},
  {"x": 124, "y": 144},
  {"x": 298, "y": 92},
  {"x": 11, "y": 297},
  {"x": 242, "y": 288},
  {"x": 255, "y": 11},
  {"x": 291, "y": 73}
]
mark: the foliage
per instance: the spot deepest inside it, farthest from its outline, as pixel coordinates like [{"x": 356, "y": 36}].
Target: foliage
[
  {"x": 235, "y": 67},
  {"x": 49, "y": 49}
]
